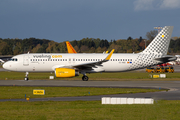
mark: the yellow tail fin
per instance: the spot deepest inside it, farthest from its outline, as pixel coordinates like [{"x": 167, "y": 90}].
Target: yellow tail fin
[{"x": 70, "y": 48}]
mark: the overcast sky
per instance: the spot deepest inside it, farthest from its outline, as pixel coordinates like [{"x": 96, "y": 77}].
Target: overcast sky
[{"x": 62, "y": 20}]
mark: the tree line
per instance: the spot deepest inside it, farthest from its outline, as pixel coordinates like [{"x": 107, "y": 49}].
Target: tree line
[{"x": 85, "y": 45}]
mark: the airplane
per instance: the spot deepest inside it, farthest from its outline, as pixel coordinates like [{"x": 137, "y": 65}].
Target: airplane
[
  {"x": 70, "y": 65},
  {"x": 70, "y": 48}
]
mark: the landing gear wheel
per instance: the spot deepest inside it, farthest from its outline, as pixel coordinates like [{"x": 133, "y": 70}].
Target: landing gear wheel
[
  {"x": 85, "y": 78},
  {"x": 26, "y": 78}
]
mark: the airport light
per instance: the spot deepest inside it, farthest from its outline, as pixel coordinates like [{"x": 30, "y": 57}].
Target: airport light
[{"x": 158, "y": 28}]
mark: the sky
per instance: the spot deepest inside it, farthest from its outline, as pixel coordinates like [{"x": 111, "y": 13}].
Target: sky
[{"x": 68, "y": 20}]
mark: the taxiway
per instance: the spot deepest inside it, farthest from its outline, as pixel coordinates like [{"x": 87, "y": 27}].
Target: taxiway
[{"x": 172, "y": 94}]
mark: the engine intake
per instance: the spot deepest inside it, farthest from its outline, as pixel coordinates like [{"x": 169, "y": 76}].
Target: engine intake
[{"x": 66, "y": 72}]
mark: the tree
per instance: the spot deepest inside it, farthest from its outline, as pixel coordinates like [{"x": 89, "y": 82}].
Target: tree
[
  {"x": 35, "y": 49},
  {"x": 129, "y": 38},
  {"x": 140, "y": 39},
  {"x": 151, "y": 35},
  {"x": 84, "y": 49},
  {"x": 7, "y": 50}
]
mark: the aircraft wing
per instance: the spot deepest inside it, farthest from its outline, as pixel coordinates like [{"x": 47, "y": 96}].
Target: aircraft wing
[
  {"x": 93, "y": 64},
  {"x": 86, "y": 65},
  {"x": 3, "y": 59}
]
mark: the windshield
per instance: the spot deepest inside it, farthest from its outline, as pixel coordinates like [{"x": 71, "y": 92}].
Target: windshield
[{"x": 13, "y": 59}]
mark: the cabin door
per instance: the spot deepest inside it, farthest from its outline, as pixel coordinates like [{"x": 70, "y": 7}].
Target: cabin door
[{"x": 26, "y": 60}]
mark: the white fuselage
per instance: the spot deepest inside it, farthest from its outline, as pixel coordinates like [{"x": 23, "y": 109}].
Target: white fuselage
[{"x": 45, "y": 62}]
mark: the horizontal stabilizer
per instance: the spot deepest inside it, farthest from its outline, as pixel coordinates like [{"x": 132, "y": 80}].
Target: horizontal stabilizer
[
  {"x": 166, "y": 58},
  {"x": 1, "y": 61}
]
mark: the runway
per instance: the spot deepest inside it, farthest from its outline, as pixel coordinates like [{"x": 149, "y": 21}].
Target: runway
[{"x": 172, "y": 94}]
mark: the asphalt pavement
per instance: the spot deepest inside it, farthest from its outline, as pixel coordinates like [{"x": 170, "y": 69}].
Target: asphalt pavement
[{"x": 172, "y": 94}]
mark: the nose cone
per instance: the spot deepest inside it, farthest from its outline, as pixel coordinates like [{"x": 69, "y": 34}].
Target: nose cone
[{"x": 5, "y": 65}]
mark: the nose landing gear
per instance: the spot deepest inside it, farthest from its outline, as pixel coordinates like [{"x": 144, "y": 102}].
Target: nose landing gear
[{"x": 26, "y": 76}]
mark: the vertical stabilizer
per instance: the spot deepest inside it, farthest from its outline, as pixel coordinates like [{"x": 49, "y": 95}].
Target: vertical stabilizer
[
  {"x": 70, "y": 48},
  {"x": 160, "y": 43}
]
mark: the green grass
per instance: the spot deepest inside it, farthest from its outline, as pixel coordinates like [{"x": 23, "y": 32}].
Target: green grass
[
  {"x": 13, "y": 92},
  {"x": 89, "y": 110},
  {"x": 5, "y": 75}
]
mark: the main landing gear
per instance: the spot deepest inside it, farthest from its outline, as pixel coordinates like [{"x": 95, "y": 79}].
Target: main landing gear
[
  {"x": 85, "y": 78},
  {"x": 26, "y": 76}
]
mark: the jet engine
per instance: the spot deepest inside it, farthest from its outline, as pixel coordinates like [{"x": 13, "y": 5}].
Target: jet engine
[{"x": 66, "y": 72}]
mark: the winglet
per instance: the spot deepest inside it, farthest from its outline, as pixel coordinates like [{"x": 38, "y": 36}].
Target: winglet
[
  {"x": 70, "y": 48},
  {"x": 110, "y": 54}
]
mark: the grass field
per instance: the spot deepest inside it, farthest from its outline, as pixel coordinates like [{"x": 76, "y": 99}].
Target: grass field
[
  {"x": 5, "y": 75},
  {"x": 89, "y": 110},
  {"x": 13, "y": 92},
  {"x": 83, "y": 110}
]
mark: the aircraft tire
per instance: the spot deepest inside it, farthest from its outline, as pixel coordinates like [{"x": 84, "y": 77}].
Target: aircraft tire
[
  {"x": 26, "y": 78},
  {"x": 85, "y": 78}
]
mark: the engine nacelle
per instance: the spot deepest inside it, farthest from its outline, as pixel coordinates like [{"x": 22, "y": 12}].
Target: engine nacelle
[{"x": 66, "y": 72}]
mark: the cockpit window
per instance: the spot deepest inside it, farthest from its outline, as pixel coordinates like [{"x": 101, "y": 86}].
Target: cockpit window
[{"x": 13, "y": 59}]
